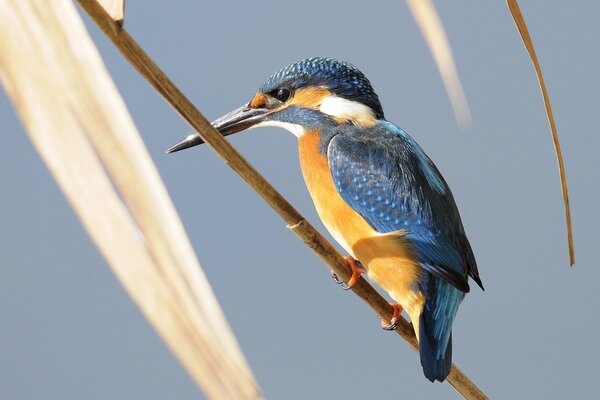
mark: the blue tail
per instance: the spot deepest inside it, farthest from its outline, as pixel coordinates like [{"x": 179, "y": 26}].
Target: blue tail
[
  {"x": 435, "y": 328},
  {"x": 434, "y": 368}
]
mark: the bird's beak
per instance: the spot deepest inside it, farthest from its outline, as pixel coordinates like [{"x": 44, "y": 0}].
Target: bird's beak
[{"x": 238, "y": 120}]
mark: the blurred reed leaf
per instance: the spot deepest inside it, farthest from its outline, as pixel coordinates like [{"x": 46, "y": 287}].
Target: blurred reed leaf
[
  {"x": 431, "y": 27},
  {"x": 80, "y": 126}
]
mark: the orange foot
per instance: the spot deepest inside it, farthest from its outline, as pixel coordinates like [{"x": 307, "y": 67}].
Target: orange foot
[
  {"x": 395, "y": 318},
  {"x": 356, "y": 272}
]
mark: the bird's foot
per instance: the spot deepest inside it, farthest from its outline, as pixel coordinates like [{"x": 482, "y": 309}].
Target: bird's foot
[
  {"x": 357, "y": 270},
  {"x": 395, "y": 318}
]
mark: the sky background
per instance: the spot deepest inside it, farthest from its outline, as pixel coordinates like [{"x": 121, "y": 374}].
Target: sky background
[{"x": 69, "y": 331}]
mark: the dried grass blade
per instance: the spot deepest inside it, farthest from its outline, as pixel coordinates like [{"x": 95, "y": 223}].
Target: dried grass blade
[{"x": 515, "y": 11}]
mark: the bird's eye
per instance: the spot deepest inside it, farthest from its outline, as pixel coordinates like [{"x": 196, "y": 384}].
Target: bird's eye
[{"x": 282, "y": 94}]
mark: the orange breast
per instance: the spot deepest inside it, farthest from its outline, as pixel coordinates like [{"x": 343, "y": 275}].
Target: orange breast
[
  {"x": 387, "y": 258},
  {"x": 345, "y": 224}
]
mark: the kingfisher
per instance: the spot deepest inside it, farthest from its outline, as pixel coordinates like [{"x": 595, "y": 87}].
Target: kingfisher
[{"x": 376, "y": 191}]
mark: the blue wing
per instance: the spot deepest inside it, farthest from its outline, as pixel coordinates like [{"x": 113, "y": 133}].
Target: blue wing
[{"x": 385, "y": 176}]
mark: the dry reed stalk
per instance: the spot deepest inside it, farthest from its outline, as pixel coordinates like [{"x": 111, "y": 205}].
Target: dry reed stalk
[
  {"x": 82, "y": 130},
  {"x": 295, "y": 222},
  {"x": 431, "y": 27},
  {"x": 515, "y": 11}
]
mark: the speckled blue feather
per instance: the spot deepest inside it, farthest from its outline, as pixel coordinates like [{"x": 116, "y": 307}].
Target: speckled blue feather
[{"x": 387, "y": 178}]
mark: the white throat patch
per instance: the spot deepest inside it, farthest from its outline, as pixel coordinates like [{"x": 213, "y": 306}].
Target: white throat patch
[
  {"x": 296, "y": 129},
  {"x": 344, "y": 109}
]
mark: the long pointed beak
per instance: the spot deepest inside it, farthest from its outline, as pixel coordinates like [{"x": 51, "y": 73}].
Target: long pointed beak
[{"x": 238, "y": 120}]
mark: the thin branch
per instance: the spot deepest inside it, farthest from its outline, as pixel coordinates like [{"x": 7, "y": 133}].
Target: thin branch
[
  {"x": 515, "y": 11},
  {"x": 81, "y": 128},
  {"x": 431, "y": 27},
  {"x": 295, "y": 222}
]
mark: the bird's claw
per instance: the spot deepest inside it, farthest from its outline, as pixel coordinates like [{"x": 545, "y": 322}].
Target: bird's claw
[
  {"x": 336, "y": 279},
  {"x": 395, "y": 320},
  {"x": 357, "y": 270}
]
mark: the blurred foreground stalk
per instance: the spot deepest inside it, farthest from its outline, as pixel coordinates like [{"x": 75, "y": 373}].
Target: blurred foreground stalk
[
  {"x": 79, "y": 124},
  {"x": 431, "y": 27}
]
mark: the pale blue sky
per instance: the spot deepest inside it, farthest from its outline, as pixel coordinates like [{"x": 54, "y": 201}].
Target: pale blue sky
[{"x": 70, "y": 332}]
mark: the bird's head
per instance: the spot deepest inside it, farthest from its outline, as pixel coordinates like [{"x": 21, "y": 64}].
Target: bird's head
[{"x": 309, "y": 94}]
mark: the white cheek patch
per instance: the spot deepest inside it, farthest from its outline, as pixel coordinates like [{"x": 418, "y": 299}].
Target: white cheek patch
[
  {"x": 296, "y": 129},
  {"x": 344, "y": 109}
]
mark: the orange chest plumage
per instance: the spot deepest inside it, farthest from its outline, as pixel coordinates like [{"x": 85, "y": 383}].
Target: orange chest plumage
[{"x": 345, "y": 224}]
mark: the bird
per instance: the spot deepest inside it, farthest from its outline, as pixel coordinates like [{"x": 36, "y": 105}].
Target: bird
[{"x": 375, "y": 190}]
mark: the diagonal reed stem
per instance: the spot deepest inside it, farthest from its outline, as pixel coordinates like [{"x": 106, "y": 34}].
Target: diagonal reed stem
[
  {"x": 515, "y": 11},
  {"x": 295, "y": 222}
]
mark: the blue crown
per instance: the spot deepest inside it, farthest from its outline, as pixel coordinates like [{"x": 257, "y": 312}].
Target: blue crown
[{"x": 339, "y": 77}]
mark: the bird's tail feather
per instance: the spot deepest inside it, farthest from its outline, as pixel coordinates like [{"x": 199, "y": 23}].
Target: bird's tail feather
[
  {"x": 435, "y": 368},
  {"x": 435, "y": 327}
]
